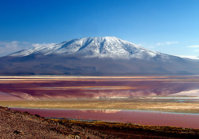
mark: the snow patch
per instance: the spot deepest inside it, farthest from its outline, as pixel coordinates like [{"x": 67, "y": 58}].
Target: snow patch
[{"x": 92, "y": 47}]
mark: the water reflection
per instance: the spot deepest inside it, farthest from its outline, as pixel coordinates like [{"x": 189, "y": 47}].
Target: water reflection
[{"x": 100, "y": 87}]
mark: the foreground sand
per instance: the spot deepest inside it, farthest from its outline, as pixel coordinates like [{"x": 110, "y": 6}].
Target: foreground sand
[{"x": 22, "y": 125}]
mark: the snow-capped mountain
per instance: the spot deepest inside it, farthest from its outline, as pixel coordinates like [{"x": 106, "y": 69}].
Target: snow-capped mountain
[
  {"x": 95, "y": 56},
  {"x": 111, "y": 47}
]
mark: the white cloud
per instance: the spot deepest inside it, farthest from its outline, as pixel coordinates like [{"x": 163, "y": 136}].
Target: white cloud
[
  {"x": 43, "y": 44},
  {"x": 13, "y": 46},
  {"x": 7, "y": 48},
  {"x": 189, "y": 56},
  {"x": 193, "y": 46},
  {"x": 166, "y": 43}
]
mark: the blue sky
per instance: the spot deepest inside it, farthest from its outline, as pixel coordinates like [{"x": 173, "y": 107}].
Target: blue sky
[{"x": 168, "y": 26}]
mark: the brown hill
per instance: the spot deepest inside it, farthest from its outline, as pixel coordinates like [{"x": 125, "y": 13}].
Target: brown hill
[{"x": 23, "y": 125}]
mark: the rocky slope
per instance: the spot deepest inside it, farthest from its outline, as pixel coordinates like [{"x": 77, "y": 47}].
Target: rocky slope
[{"x": 22, "y": 125}]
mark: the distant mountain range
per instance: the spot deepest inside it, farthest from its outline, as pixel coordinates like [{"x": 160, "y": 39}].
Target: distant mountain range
[{"x": 95, "y": 56}]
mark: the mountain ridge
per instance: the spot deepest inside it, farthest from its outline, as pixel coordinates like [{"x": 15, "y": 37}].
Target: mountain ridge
[
  {"x": 95, "y": 56},
  {"x": 92, "y": 47}
]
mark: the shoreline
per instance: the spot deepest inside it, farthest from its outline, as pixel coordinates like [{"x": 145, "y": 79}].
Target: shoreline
[
  {"x": 127, "y": 110},
  {"x": 129, "y": 116}
]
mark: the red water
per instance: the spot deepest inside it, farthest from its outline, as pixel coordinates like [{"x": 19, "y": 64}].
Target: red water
[
  {"x": 137, "y": 117},
  {"x": 98, "y": 87}
]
